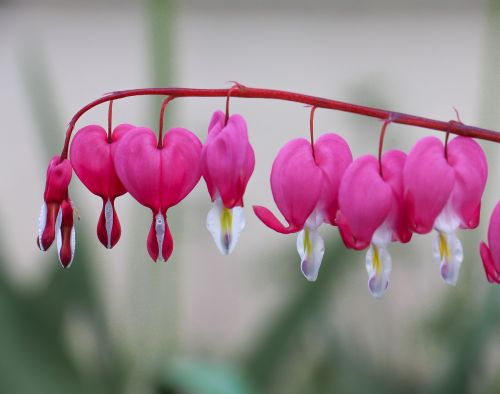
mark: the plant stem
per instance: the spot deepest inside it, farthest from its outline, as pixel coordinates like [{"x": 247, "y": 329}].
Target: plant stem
[{"x": 241, "y": 91}]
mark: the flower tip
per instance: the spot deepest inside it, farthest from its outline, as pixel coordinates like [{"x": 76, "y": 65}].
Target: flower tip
[
  {"x": 225, "y": 225},
  {"x": 488, "y": 263},
  {"x": 108, "y": 227}
]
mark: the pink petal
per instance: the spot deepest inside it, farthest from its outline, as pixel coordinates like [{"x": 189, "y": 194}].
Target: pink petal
[
  {"x": 227, "y": 160},
  {"x": 471, "y": 171},
  {"x": 488, "y": 263},
  {"x": 494, "y": 239},
  {"x": 333, "y": 156},
  {"x": 296, "y": 183},
  {"x": 393, "y": 162},
  {"x": 181, "y": 168},
  {"x": 137, "y": 163},
  {"x": 271, "y": 221},
  {"x": 90, "y": 155},
  {"x": 428, "y": 182},
  {"x": 365, "y": 201},
  {"x": 66, "y": 241}
]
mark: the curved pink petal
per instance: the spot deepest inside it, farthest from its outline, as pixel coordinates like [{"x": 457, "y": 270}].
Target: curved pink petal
[
  {"x": 271, "y": 221},
  {"x": 90, "y": 156},
  {"x": 490, "y": 253},
  {"x": 66, "y": 237},
  {"x": 333, "y": 156},
  {"x": 227, "y": 159},
  {"x": 428, "y": 183},
  {"x": 492, "y": 274},
  {"x": 181, "y": 168},
  {"x": 296, "y": 183},
  {"x": 471, "y": 171},
  {"x": 364, "y": 200},
  {"x": 393, "y": 162}
]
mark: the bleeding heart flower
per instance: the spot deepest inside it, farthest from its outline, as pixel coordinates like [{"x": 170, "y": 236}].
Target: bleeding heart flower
[
  {"x": 56, "y": 191},
  {"x": 305, "y": 188},
  {"x": 490, "y": 254},
  {"x": 91, "y": 157},
  {"x": 227, "y": 162},
  {"x": 158, "y": 177},
  {"x": 444, "y": 193},
  {"x": 65, "y": 232},
  {"x": 372, "y": 212}
]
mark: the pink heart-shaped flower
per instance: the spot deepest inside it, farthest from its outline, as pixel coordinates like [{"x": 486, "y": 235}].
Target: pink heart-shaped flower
[
  {"x": 158, "y": 178},
  {"x": 91, "y": 158}
]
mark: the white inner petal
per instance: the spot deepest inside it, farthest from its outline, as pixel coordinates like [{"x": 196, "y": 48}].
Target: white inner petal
[
  {"x": 108, "y": 218},
  {"x": 73, "y": 245},
  {"x": 383, "y": 235},
  {"x": 42, "y": 222},
  {"x": 378, "y": 266},
  {"x": 447, "y": 221},
  {"x": 311, "y": 248},
  {"x": 58, "y": 233},
  {"x": 225, "y": 225},
  {"x": 160, "y": 234},
  {"x": 448, "y": 252}
]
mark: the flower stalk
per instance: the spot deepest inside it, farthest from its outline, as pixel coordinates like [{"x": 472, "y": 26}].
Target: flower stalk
[{"x": 452, "y": 126}]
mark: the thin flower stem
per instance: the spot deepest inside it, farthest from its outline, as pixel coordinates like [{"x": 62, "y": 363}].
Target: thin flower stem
[
  {"x": 237, "y": 86},
  {"x": 381, "y": 143},
  {"x": 241, "y": 91},
  {"x": 311, "y": 129},
  {"x": 162, "y": 115},
  {"x": 110, "y": 120}
]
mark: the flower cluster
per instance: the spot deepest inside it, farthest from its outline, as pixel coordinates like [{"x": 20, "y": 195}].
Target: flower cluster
[{"x": 372, "y": 200}]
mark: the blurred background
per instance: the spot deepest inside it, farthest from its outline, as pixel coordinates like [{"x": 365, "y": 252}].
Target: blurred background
[{"x": 249, "y": 323}]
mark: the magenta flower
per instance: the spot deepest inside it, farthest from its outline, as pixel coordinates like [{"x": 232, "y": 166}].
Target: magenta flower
[
  {"x": 305, "y": 186},
  {"x": 227, "y": 162},
  {"x": 56, "y": 191},
  {"x": 443, "y": 191},
  {"x": 158, "y": 177},
  {"x": 490, "y": 254},
  {"x": 91, "y": 158},
  {"x": 372, "y": 212}
]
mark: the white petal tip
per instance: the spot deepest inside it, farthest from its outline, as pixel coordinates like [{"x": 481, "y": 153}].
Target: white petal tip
[
  {"x": 448, "y": 252},
  {"x": 311, "y": 249},
  {"x": 225, "y": 226},
  {"x": 378, "y": 266}
]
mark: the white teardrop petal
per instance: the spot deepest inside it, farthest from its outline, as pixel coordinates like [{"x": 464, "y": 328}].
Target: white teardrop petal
[
  {"x": 311, "y": 248},
  {"x": 108, "y": 221},
  {"x": 448, "y": 252},
  {"x": 225, "y": 225},
  {"x": 58, "y": 233},
  {"x": 378, "y": 266},
  {"x": 42, "y": 222},
  {"x": 160, "y": 234}
]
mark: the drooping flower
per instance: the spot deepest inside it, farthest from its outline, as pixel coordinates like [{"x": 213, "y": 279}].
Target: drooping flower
[
  {"x": 91, "y": 157},
  {"x": 490, "y": 253},
  {"x": 158, "y": 177},
  {"x": 443, "y": 191},
  {"x": 372, "y": 212},
  {"x": 56, "y": 191},
  {"x": 305, "y": 184},
  {"x": 227, "y": 162}
]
